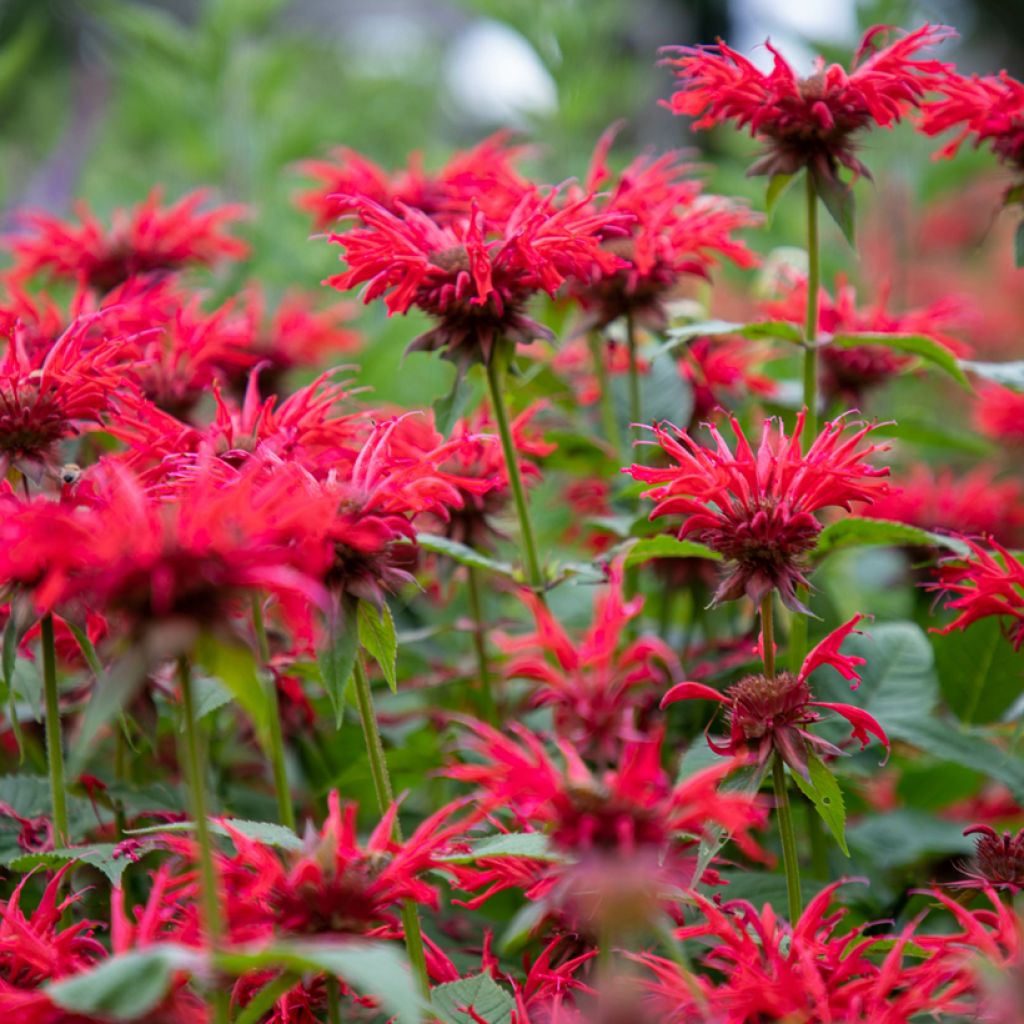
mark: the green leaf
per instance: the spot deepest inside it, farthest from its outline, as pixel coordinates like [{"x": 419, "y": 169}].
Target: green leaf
[
  {"x": 10, "y": 651},
  {"x": 759, "y": 330},
  {"x": 463, "y": 554},
  {"x": 266, "y": 832},
  {"x": 376, "y": 969},
  {"x": 837, "y": 196},
  {"x": 823, "y": 791},
  {"x": 924, "y": 433},
  {"x": 534, "y": 845},
  {"x": 778, "y": 186},
  {"x": 1010, "y": 375},
  {"x": 98, "y": 855},
  {"x": 664, "y": 393},
  {"x": 664, "y": 546},
  {"x": 522, "y": 926},
  {"x": 235, "y": 666},
  {"x": 128, "y": 986},
  {"x": 912, "y": 344},
  {"x": 980, "y": 673},
  {"x": 449, "y": 408},
  {"x": 857, "y": 531},
  {"x": 481, "y": 993},
  {"x": 85, "y": 645},
  {"x": 338, "y": 658},
  {"x": 377, "y": 635},
  {"x": 904, "y": 836},
  {"x": 1018, "y": 245}
]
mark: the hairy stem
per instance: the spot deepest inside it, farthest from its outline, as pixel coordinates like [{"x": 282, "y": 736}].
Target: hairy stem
[
  {"x": 789, "y": 856},
  {"x": 811, "y": 320},
  {"x": 489, "y": 705},
  {"x": 54, "y": 737},
  {"x": 768, "y": 635}
]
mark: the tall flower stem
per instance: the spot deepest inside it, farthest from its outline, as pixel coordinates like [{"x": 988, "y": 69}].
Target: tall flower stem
[
  {"x": 495, "y": 380},
  {"x": 609, "y": 420},
  {"x": 385, "y": 798},
  {"x": 489, "y": 705},
  {"x": 788, "y": 836},
  {"x": 811, "y": 320},
  {"x": 54, "y": 738},
  {"x": 285, "y": 807},
  {"x": 768, "y": 635},
  {"x": 192, "y": 761},
  {"x": 636, "y": 411}
]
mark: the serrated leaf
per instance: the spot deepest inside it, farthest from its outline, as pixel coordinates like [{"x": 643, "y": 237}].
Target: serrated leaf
[
  {"x": 481, "y": 993},
  {"x": 128, "y": 986},
  {"x": 377, "y": 635},
  {"x": 97, "y": 855},
  {"x": 858, "y": 531},
  {"x": 912, "y": 344},
  {"x": 463, "y": 554},
  {"x": 235, "y": 666},
  {"x": 266, "y": 832},
  {"x": 1010, "y": 375},
  {"x": 838, "y": 199},
  {"x": 337, "y": 658},
  {"x": 823, "y": 791},
  {"x": 534, "y": 845},
  {"x": 664, "y": 546},
  {"x": 778, "y": 186},
  {"x": 376, "y": 969}
]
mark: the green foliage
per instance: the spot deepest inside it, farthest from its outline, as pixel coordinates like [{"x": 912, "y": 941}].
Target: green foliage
[
  {"x": 376, "y": 628},
  {"x": 481, "y": 993},
  {"x": 823, "y": 791}
]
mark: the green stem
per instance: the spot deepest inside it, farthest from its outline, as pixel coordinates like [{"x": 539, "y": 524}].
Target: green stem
[
  {"x": 54, "y": 738},
  {"x": 636, "y": 411},
  {"x": 609, "y": 419},
  {"x": 385, "y": 798},
  {"x": 784, "y": 814},
  {"x": 264, "y": 1000},
  {"x": 495, "y": 381},
  {"x": 768, "y": 635},
  {"x": 333, "y": 1000},
  {"x": 489, "y": 705},
  {"x": 285, "y": 807},
  {"x": 195, "y": 772},
  {"x": 811, "y": 320},
  {"x": 120, "y": 774}
]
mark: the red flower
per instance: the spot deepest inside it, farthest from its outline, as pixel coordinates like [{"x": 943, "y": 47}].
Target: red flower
[
  {"x": 973, "y": 504},
  {"x": 847, "y": 374},
  {"x": 986, "y": 109},
  {"x": 807, "y": 122},
  {"x": 717, "y": 370},
  {"x": 769, "y": 714},
  {"x": 999, "y": 414},
  {"x": 598, "y": 686},
  {"x": 485, "y": 175},
  {"x": 475, "y": 274},
  {"x": 998, "y": 860},
  {"x": 145, "y": 239},
  {"x": 757, "y": 509},
  {"x": 984, "y": 584}
]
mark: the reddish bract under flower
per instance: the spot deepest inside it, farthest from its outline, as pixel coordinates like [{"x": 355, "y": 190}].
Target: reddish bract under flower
[
  {"x": 807, "y": 122},
  {"x": 142, "y": 240},
  {"x": 984, "y": 584},
  {"x": 988, "y": 109},
  {"x": 757, "y": 509},
  {"x": 769, "y": 714},
  {"x": 475, "y": 275}
]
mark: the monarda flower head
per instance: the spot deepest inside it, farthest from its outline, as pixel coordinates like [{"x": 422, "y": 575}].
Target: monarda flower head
[
  {"x": 807, "y": 122},
  {"x": 999, "y": 414},
  {"x": 757, "y": 508},
  {"x": 475, "y": 275},
  {"x": 983, "y": 584},
  {"x": 145, "y": 239},
  {"x": 770, "y": 714},
  {"x": 997, "y": 863}
]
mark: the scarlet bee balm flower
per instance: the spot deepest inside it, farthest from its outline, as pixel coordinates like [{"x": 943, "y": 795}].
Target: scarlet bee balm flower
[{"x": 757, "y": 508}]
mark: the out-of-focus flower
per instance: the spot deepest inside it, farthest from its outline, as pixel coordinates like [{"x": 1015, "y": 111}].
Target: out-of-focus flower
[
  {"x": 987, "y": 109},
  {"x": 999, "y": 414},
  {"x": 484, "y": 175},
  {"x": 975, "y": 504},
  {"x": 475, "y": 274},
  {"x": 848, "y": 374},
  {"x": 770, "y": 714},
  {"x": 807, "y": 122},
  {"x": 982, "y": 584},
  {"x": 141, "y": 240},
  {"x": 719, "y": 370},
  {"x": 757, "y": 508},
  {"x": 598, "y": 688}
]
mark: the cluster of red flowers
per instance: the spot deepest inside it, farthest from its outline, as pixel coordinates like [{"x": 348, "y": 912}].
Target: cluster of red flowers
[{"x": 184, "y": 530}]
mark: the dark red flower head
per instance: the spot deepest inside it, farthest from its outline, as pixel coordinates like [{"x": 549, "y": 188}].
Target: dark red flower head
[
  {"x": 998, "y": 860},
  {"x": 986, "y": 109},
  {"x": 770, "y": 714},
  {"x": 982, "y": 584},
  {"x": 807, "y": 122},
  {"x": 145, "y": 239},
  {"x": 474, "y": 275},
  {"x": 757, "y": 508}
]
